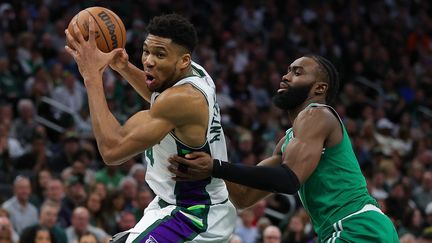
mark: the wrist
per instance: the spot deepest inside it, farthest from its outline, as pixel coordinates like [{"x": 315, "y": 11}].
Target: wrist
[
  {"x": 92, "y": 80},
  {"x": 120, "y": 69},
  {"x": 217, "y": 168}
]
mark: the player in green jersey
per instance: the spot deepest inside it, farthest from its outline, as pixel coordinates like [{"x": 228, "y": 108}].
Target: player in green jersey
[{"x": 315, "y": 159}]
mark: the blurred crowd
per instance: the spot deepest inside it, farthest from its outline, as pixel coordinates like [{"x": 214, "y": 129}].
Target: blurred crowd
[{"x": 55, "y": 188}]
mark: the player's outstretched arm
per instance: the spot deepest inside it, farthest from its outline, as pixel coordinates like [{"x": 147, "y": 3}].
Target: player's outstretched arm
[
  {"x": 300, "y": 158},
  {"x": 200, "y": 166}
]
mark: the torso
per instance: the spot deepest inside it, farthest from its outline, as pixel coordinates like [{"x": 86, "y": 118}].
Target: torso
[
  {"x": 337, "y": 187},
  {"x": 200, "y": 133}
]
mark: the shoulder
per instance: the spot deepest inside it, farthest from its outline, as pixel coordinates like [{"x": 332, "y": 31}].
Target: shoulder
[
  {"x": 319, "y": 119},
  {"x": 314, "y": 115},
  {"x": 183, "y": 92},
  {"x": 179, "y": 100},
  {"x": 8, "y": 205}
]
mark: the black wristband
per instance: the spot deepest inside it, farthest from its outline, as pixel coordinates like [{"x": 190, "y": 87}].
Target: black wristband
[{"x": 280, "y": 179}]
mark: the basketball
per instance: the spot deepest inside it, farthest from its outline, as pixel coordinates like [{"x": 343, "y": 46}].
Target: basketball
[{"x": 110, "y": 30}]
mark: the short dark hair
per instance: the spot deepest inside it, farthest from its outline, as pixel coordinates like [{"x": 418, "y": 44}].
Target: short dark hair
[
  {"x": 329, "y": 74},
  {"x": 175, "y": 27}
]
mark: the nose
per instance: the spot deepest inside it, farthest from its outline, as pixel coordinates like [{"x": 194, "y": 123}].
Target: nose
[
  {"x": 148, "y": 61},
  {"x": 285, "y": 78}
]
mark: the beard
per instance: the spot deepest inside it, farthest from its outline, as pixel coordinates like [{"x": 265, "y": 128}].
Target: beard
[{"x": 292, "y": 97}]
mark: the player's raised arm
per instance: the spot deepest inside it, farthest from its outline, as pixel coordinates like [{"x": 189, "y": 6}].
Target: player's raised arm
[
  {"x": 146, "y": 128},
  {"x": 135, "y": 76}
]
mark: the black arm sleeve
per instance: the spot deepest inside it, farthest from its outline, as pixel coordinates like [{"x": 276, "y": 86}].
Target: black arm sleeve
[{"x": 278, "y": 179}]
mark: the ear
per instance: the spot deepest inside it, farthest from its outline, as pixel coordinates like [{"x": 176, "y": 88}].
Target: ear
[
  {"x": 321, "y": 88},
  {"x": 185, "y": 61}
]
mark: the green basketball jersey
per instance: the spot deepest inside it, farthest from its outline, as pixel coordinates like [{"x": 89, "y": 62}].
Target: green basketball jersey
[{"x": 337, "y": 187}]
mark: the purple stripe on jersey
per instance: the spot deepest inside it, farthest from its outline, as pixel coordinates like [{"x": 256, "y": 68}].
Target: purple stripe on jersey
[
  {"x": 177, "y": 228},
  {"x": 192, "y": 193}
]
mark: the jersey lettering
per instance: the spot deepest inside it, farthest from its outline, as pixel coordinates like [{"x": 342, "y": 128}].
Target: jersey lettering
[{"x": 215, "y": 126}]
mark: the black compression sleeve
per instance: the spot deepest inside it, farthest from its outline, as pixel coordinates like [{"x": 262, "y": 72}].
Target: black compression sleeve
[{"x": 280, "y": 179}]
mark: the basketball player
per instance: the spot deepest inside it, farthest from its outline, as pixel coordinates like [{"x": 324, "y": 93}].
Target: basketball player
[
  {"x": 314, "y": 158},
  {"x": 183, "y": 117}
]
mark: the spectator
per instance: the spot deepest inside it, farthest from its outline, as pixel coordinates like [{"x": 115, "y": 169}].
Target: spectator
[
  {"x": 235, "y": 239},
  {"x": 94, "y": 206},
  {"x": 9, "y": 144},
  {"x": 88, "y": 238},
  {"x": 412, "y": 223},
  {"x": 245, "y": 229},
  {"x": 272, "y": 234},
  {"x": 23, "y": 126},
  {"x": 65, "y": 158},
  {"x": 70, "y": 93},
  {"x": 48, "y": 220},
  {"x": 138, "y": 172},
  {"x": 76, "y": 194},
  {"x": 129, "y": 187},
  {"x": 127, "y": 221},
  {"x": 39, "y": 186},
  {"x": 423, "y": 195},
  {"x": 295, "y": 232},
  {"x": 37, "y": 234},
  {"x": 81, "y": 225},
  {"x": 110, "y": 176},
  {"x": 37, "y": 157},
  {"x": 55, "y": 193},
  {"x": 113, "y": 208},
  {"x": 7, "y": 233},
  {"x": 22, "y": 212},
  {"x": 144, "y": 197}
]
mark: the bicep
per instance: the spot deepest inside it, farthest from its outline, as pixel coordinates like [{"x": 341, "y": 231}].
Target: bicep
[
  {"x": 303, "y": 152},
  {"x": 140, "y": 132}
]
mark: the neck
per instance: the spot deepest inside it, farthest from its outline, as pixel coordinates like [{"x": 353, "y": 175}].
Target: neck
[
  {"x": 292, "y": 114},
  {"x": 186, "y": 73},
  {"x": 22, "y": 202}
]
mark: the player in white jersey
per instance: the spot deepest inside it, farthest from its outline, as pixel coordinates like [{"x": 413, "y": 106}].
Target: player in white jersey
[{"x": 183, "y": 118}]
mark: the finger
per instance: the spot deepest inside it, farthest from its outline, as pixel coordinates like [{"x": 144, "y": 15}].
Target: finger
[
  {"x": 71, "y": 40},
  {"x": 181, "y": 160},
  {"x": 92, "y": 31},
  {"x": 172, "y": 160},
  {"x": 69, "y": 50},
  {"x": 118, "y": 52},
  {"x": 78, "y": 34},
  {"x": 195, "y": 155},
  {"x": 178, "y": 172}
]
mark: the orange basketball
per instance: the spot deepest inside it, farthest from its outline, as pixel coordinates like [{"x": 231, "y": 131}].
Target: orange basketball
[{"x": 110, "y": 30}]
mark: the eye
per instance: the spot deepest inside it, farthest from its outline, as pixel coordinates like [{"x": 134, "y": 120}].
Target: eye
[
  {"x": 146, "y": 52},
  {"x": 160, "y": 55}
]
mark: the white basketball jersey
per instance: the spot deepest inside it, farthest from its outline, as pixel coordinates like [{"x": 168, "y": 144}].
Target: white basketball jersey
[{"x": 207, "y": 191}]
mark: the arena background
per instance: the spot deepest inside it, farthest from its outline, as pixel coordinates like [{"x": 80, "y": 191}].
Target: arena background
[{"x": 383, "y": 50}]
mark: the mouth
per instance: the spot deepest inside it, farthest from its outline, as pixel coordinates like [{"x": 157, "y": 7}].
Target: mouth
[
  {"x": 283, "y": 86},
  {"x": 149, "y": 78}
]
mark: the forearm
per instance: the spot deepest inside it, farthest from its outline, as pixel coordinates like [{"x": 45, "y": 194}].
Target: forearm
[
  {"x": 104, "y": 125},
  {"x": 237, "y": 192},
  {"x": 136, "y": 78},
  {"x": 242, "y": 196},
  {"x": 278, "y": 179}
]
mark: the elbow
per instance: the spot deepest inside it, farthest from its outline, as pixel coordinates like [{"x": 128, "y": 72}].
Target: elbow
[{"x": 110, "y": 159}]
